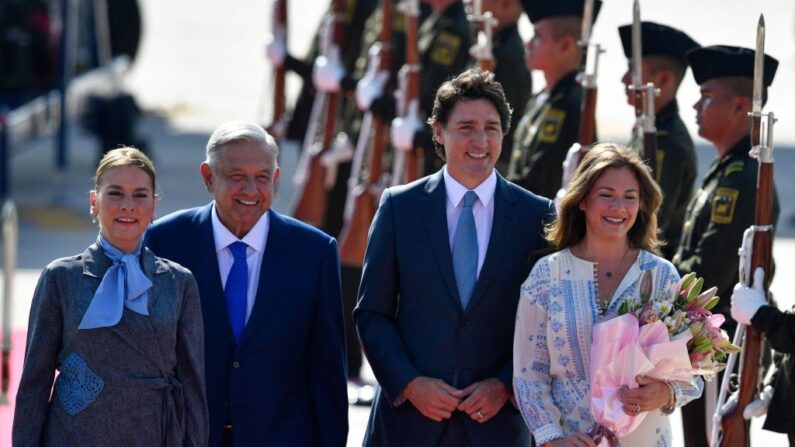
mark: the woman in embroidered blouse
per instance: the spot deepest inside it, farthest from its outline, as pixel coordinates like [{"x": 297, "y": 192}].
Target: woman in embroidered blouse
[
  {"x": 122, "y": 327},
  {"x": 606, "y": 239}
]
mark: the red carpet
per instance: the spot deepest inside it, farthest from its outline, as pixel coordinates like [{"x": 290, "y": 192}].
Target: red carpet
[{"x": 7, "y": 411}]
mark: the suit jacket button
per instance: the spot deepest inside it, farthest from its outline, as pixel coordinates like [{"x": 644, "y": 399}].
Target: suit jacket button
[
  {"x": 467, "y": 323},
  {"x": 236, "y": 365}
]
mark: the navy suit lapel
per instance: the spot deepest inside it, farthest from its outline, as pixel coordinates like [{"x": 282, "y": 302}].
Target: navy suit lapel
[
  {"x": 502, "y": 228},
  {"x": 208, "y": 275},
  {"x": 273, "y": 271},
  {"x": 435, "y": 217}
]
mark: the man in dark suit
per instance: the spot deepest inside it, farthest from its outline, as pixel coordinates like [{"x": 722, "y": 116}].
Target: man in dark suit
[
  {"x": 437, "y": 303},
  {"x": 271, "y": 300}
]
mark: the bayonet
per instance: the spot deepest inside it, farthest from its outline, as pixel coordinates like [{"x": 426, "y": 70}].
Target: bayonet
[
  {"x": 587, "y": 21},
  {"x": 637, "y": 62},
  {"x": 759, "y": 66}
]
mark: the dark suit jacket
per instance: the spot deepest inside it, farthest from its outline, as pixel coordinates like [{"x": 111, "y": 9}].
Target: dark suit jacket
[
  {"x": 285, "y": 383},
  {"x": 409, "y": 315}
]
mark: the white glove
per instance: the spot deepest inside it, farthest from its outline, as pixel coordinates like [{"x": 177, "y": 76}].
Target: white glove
[
  {"x": 328, "y": 71},
  {"x": 758, "y": 407},
  {"x": 369, "y": 88},
  {"x": 747, "y": 300},
  {"x": 404, "y": 128},
  {"x": 275, "y": 49},
  {"x": 481, "y": 50}
]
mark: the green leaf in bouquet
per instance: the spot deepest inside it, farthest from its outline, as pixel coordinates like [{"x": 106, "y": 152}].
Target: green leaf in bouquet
[
  {"x": 712, "y": 303},
  {"x": 706, "y": 297},
  {"x": 623, "y": 308},
  {"x": 686, "y": 281},
  {"x": 731, "y": 348},
  {"x": 695, "y": 290},
  {"x": 701, "y": 344},
  {"x": 695, "y": 328}
]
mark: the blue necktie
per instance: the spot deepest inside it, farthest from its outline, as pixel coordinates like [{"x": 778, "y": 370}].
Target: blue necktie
[
  {"x": 465, "y": 251},
  {"x": 236, "y": 288}
]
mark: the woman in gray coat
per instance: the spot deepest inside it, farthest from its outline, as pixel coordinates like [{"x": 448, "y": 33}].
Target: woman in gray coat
[{"x": 122, "y": 327}]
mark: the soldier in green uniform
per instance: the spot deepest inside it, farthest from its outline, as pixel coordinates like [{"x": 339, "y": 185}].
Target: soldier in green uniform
[
  {"x": 551, "y": 121},
  {"x": 725, "y": 204},
  {"x": 509, "y": 67},
  {"x": 443, "y": 43},
  {"x": 665, "y": 65},
  {"x": 356, "y": 13}
]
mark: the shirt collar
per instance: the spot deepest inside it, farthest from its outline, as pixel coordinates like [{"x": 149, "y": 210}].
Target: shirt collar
[
  {"x": 455, "y": 191},
  {"x": 255, "y": 238}
]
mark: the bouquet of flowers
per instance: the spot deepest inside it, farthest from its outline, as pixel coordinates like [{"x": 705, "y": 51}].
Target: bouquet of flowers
[
  {"x": 687, "y": 314},
  {"x": 668, "y": 338}
]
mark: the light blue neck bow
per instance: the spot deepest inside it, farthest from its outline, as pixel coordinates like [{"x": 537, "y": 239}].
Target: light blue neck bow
[{"x": 124, "y": 285}]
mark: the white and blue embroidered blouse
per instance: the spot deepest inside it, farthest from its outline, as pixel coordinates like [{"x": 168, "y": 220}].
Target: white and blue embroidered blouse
[{"x": 552, "y": 342}]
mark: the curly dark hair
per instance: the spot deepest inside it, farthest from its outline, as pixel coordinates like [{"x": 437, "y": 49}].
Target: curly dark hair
[{"x": 470, "y": 85}]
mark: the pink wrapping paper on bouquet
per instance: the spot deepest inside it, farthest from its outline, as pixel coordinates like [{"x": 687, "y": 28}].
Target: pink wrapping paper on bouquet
[{"x": 622, "y": 350}]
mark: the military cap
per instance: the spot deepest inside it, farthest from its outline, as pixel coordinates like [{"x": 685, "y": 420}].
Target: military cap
[
  {"x": 720, "y": 61},
  {"x": 543, "y": 9},
  {"x": 658, "y": 40}
]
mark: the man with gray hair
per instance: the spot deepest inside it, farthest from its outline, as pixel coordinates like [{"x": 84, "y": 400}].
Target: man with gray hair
[{"x": 271, "y": 300}]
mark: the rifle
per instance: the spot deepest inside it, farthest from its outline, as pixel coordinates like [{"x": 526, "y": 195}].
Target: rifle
[
  {"x": 406, "y": 167},
  {"x": 484, "y": 22},
  {"x": 279, "y": 30},
  {"x": 361, "y": 202},
  {"x": 644, "y": 95},
  {"x": 311, "y": 177},
  {"x": 587, "y": 77},
  {"x": 758, "y": 246},
  {"x": 589, "y": 63}
]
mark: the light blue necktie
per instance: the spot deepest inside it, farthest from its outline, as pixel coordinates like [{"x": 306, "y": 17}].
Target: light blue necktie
[
  {"x": 236, "y": 289},
  {"x": 465, "y": 251},
  {"x": 124, "y": 285}
]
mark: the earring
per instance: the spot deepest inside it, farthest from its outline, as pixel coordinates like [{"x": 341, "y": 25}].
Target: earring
[{"x": 93, "y": 217}]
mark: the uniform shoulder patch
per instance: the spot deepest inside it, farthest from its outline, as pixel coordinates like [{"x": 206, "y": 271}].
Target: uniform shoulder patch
[
  {"x": 550, "y": 127},
  {"x": 445, "y": 48},
  {"x": 724, "y": 202},
  {"x": 735, "y": 166}
]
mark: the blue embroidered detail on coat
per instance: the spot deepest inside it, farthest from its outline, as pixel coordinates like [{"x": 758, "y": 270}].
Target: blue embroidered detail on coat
[{"x": 77, "y": 385}]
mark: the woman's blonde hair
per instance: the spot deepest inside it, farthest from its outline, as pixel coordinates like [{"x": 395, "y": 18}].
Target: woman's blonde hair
[{"x": 121, "y": 157}]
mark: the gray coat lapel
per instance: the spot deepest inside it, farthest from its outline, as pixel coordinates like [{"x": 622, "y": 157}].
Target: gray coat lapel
[
  {"x": 502, "y": 227},
  {"x": 435, "y": 217},
  {"x": 136, "y": 330}
]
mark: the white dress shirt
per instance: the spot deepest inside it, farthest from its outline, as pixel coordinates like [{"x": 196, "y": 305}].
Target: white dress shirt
[
  {"x": 482, "y": 210},
  {"x": 255, "y": 239}
]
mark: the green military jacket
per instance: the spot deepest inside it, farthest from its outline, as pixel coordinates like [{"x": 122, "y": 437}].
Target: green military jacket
[
  {"x": 716, "y": 218},
  {"x": 546, "y": 131},
  {"x": 511, "y": 72},
  {"x": 676, "y": 174},
  {"x": 443, "y": 43}
]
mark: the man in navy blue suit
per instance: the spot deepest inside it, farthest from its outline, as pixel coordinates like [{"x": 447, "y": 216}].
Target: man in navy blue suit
[
  {"x": 271, "y": 300},
  {"x": 445, "y": 259}
]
